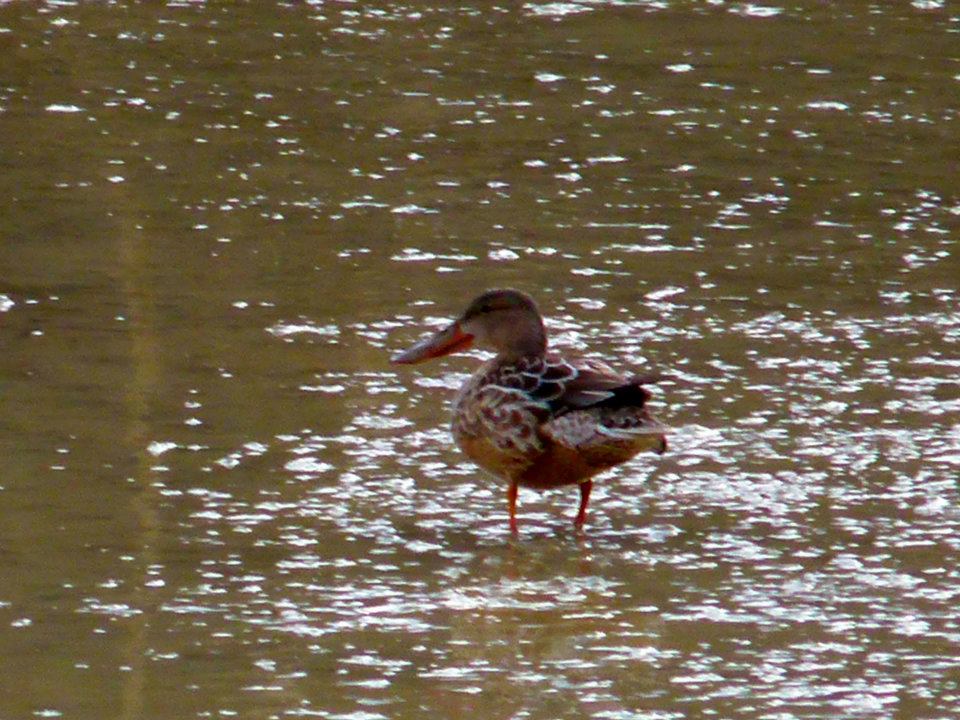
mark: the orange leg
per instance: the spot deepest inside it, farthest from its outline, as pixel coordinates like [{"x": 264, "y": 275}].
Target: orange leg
[
  {"x": 585, "y": 487},
  {"x": 512, "y": 505}
]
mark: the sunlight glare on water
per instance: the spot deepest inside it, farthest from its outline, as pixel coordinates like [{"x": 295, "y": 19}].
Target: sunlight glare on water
[{"x": 221, "y": 500}]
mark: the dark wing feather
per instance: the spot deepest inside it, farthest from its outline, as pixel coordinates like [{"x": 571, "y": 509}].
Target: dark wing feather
[{"x": 568, "y": 385}]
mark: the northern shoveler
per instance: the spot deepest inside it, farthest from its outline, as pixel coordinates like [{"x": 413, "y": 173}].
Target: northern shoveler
[{"x": 531, "y": 416}]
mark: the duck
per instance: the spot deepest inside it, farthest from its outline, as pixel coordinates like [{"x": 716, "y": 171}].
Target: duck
[{"x": 532, "y": 416}]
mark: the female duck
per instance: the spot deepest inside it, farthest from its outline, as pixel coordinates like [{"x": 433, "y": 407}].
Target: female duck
[{"x": 531, "y": 416}]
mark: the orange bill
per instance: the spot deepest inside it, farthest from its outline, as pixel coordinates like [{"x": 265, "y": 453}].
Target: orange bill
[{"x": 449, "y": 340}]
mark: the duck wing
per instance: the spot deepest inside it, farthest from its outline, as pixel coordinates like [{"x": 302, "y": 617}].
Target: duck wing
[
  {"x": 576, "y": 384},
  {"x": 594, "y": 407}
]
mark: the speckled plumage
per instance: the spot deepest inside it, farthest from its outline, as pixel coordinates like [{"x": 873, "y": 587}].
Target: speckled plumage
[{"x": 512, "y": 417}]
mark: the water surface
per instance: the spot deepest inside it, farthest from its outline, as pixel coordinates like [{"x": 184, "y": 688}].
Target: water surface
[{"x": 220, "y": 500}]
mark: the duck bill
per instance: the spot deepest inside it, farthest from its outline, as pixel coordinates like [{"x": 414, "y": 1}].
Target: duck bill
[{"x": 449, "y": 340}]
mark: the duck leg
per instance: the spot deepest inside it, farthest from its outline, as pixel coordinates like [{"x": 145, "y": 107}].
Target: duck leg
[
  {"x": 512, "y": 505},
  {"x": 585, "y": 487}
]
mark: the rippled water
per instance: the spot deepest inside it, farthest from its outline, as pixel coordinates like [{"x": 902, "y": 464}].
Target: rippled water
[{"x": 220, "y": 500}]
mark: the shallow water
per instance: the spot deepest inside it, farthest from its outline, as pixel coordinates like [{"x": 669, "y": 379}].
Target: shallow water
[{"x": 220, "y": 500}]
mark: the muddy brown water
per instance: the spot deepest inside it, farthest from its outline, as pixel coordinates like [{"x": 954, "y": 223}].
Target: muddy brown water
[{"x": 219, "y": 500}]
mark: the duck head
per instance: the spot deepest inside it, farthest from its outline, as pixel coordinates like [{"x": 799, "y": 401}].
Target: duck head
[{"x": 506, "y": 321}]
